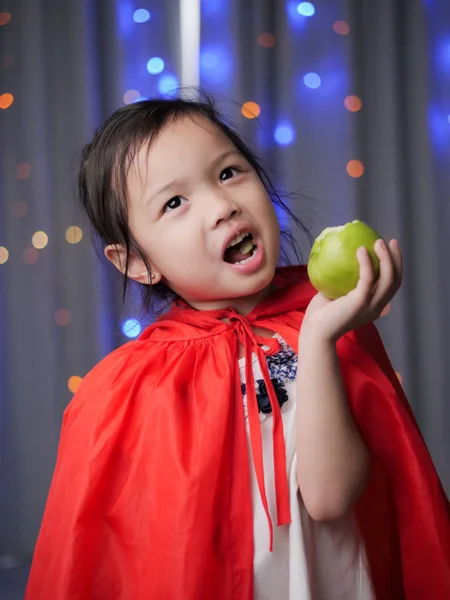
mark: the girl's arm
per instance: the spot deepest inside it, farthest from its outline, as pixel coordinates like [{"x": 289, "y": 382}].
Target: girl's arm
[{"x": 332, "y": 460}]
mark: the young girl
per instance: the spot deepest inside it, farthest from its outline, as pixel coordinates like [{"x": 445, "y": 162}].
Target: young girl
[{"x": 254, "y": 442}]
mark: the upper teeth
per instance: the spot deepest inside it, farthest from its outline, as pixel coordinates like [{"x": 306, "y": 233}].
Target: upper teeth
[{"x": 238, "y": 238}]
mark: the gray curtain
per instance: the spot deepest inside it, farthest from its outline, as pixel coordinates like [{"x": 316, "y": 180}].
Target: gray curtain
[
  {"x": 73, "y": 62},
  {"x": 402, "y": 76}
]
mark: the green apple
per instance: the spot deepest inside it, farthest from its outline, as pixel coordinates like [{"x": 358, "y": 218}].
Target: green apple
[{"x": 333, "y": 266}]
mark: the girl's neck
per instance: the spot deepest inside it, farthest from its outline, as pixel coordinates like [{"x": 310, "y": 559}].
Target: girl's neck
[{"x": 243, "y": 305}]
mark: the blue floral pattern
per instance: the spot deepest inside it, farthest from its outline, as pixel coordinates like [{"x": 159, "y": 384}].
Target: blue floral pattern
[{"x": 282, "y": 367}]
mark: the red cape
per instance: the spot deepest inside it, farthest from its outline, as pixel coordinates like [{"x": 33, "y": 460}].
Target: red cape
[{"x": 151, "y": 499}]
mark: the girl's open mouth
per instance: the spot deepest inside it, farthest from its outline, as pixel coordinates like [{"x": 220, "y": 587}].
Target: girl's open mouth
[{"x": 240, "y": 250}]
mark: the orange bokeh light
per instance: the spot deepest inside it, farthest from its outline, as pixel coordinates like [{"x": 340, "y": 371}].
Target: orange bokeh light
[
  {"x": 4, "y": 255},
  {"x": 399, "y": 377},
  {"x": 341, "y": 27},
  {"x": 5, "y": 18},
  {"x": 39, "y": 240},
  {"x": 30, "y": 255},
  {"x": 353, "y": 103},
  {"x": 6, "y": 100},
  {"x": 23, "y": 170},
  {"x": 62, "y": 317},
  {"x": 6, "y": 61},
  {"x": 355, "y": 168},
  {"x": 251, "y": 110},
  {"x": 74, "y": 383},
  {"x": 74, "y": 234},
  {"x": 266, "y": 40},
  {"x": 20, "y": 209}
]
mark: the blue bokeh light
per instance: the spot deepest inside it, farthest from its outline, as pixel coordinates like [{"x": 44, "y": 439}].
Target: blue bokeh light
[
  {"x": 155, "y": 65},
  {"x": 209, "y": 60},
  {"x": 168, "y": 85},
  {"x": 284, "y": 134},
  {"x": 131, "y": 328},
  {"x": 312, "y": 80},
  {"x": 141, "y": 15},
  {"x": 215, "y": 65},
  {"x": 212, "y": 7},
  {"x": 306, "y": 9},
  {"x": 438, "y": 126},
  {"x": 443, "y": 53},
  {"x": 297, "y": 20}
]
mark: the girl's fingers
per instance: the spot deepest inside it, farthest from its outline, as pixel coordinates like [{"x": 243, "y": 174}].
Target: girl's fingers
[
  {"x": 388, "y": 281},
  {"x": 366, "y": 275}
]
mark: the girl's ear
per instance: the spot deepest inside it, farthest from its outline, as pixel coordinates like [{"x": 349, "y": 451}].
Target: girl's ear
[{"x": 137, "y": 270}]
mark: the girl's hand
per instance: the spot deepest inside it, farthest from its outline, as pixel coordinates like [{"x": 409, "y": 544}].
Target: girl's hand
[{"x": 330, "y": 319}]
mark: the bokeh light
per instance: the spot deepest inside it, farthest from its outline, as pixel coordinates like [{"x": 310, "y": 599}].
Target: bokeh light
[
  {"x": 6, "y": 100},
  {"x": 341, "y": 27},
  {"x": 312, "y": 80},
  {"x": 20, "y": 209},
  {"x": 306, "y": 9},
  {"x": 209, "y": 60},
  {"x": 442, "y": 52},
  {"x": 353, "y": 103},
  {"x": 62, "y": 317},
  {"x": 23, "y": 170},
  {"x": 437, "y": 126},
  {"x": 251, "y": 110},
  {"x": 448, "y": 119},
  {"x": 399, "y": 377},
  {"x": 131, "y": 96},
  {"x": 4, "y": 255},
  {"x": 168, "y": 85},
  {"x": 5, "y": 18},
  {"x": 131, "y": 328},
  {"x": 284, "y": 134},
  {"x": 74, "y": 234},
  {"x": 355, "y": 168},
  {"x": 155, "y": 65},
  {"x": 212, "y": 7},
  {"x": 266, "y": 40},
  {"x": 39, "y": 240},
  {"x": 74, "y": 383},
  {"x": 30, "y": 255},
  {"x": 141, "y": 15},
  {"x": 215, "y": 65},
  {"x": 6, "y": 61}
]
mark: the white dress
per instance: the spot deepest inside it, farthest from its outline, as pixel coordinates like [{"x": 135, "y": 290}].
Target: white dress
[{"x": 310, "y": 560}]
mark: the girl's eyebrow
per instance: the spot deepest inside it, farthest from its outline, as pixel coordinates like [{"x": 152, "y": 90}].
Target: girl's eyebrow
[{"x": 177, "y": 182}]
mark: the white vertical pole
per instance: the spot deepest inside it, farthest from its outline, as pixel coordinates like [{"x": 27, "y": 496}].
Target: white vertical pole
[{"x": 190, "y": 42}]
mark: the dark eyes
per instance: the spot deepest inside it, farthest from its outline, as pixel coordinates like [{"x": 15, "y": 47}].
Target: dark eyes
[
  {"x": 228, "y": 173},
  {"x": 178, "y": 201},
  {"x": 174, "y": 203}
]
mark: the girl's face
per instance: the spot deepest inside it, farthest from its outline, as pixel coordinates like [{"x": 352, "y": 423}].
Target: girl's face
[{"x": 192, "y": 195}]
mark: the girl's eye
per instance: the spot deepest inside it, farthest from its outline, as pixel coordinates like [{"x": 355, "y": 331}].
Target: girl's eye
[
  {"x": 174, "y": 203},
  {"x": 228, "y": 173}
]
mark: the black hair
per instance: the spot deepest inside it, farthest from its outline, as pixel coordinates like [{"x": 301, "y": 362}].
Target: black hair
[{"x": 102, "y": 178}]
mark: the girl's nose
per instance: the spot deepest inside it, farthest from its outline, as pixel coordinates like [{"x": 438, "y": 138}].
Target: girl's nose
[{"x": 222, "y": 209}]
